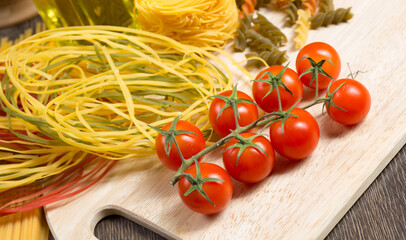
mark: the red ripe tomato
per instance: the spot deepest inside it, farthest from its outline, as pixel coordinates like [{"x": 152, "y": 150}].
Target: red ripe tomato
[
  {"x": 270, "y": 102},
  {"x": 189, "y": 144},
  {"x": 253, "y": 165},
  {"x": 299, "y": 137},
  {"x": 318, "y": 51},
  {"x": 353, "y": 97},
  {"x": 248, "y": 113},
  {"x": 219, "y": 192}
]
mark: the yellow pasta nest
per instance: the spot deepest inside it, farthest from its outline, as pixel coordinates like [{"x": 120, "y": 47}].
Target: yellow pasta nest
[
  {"x": 72, "y": 94},
  {"x": 98, "y": 89},
  {"x": 196, "y": 22}
]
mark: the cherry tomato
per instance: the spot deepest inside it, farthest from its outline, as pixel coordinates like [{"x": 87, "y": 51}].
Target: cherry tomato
[
  {"x": 299, "y": 137},
  {"x": 253, "y": 164},
  {"x": 189, "y": 144},
  {"x": 248, "y": 113},
  {"x": 219, "y": 192},
  {"x": 353, "y": 97},
  {"x": 270, "y": 102},
  {"x": 318, "y": 51}
]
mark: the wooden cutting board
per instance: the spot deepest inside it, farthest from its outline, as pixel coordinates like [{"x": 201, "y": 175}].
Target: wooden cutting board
[{"x": 299, "y": 200}]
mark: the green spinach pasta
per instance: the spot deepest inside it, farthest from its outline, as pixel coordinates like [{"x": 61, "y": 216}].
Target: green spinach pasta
[
  {"x": 291, "y": 11},
  {"x": 254, "y": 39},
  {"x": 267, "y": 29},
  {"x": 326, "y": 5},
  {"x": 331, "y": 17}
]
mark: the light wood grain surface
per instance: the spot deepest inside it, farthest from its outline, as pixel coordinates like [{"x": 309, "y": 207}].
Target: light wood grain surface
[
  {"x": 380, "y": 212},
  {"x": 300, "y": 200}
]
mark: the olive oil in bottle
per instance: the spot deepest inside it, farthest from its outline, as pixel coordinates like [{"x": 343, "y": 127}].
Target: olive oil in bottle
[{"x": 63, "y": 13}]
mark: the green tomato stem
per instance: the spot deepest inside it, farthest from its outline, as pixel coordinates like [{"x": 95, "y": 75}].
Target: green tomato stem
[
  {"x": 185, "y": 164},
  {"x": 235, "y": 111},
  {"x": 279, "y": 98},
  {"x": 315, "y": 102},
  {"x": 264, "y": 120}
]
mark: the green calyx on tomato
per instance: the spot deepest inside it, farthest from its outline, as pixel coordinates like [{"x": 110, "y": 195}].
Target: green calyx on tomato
[
  {"x": 232, "y": 101},
  {"x": 249, "y": 158},
  {"x": 282, "y": 116},
  {"x": 277, "y": 88},
  {"x": 170, "y": 136},
  {"x": 299, "y": 136},
  {"x": 243, "y": 143},
  {"x": 315, "y": 70},
  {"x": 274, "y": 81},
  {"x": 177, "y": 142},
  {"x": 197, "y": 183},
  {"x": 328, "y": 101},
  {"x": 318, "y": 51}
]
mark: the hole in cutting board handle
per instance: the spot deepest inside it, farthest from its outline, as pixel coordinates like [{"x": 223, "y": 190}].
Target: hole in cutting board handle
[
  {"x": 118, "y": 227},
  {"x": 113, "y": 224}
]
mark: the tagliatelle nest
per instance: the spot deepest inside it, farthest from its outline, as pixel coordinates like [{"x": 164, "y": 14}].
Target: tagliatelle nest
[{"x": 71, "y": 92}]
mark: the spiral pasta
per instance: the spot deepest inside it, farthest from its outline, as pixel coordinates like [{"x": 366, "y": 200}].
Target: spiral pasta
[
  {"x": 326, "y": 5},
  {"x": 248, "y": 7},
  {"x": 270, "y": 57},
  {"x": 269, "y": 30},
  {"x": 266, "y": 41},
  {"x": 331, "y": 17},
  {"x": 196, "y": 22},
  {"x": 302, "y": 29},
  {"x": 310, "y": 5},
  {"x": 291, "y": 9},
  {"x": 280, "y": 3}
]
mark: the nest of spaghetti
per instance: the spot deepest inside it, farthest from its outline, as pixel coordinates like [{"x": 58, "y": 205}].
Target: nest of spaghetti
[
  {"x": 196, "y": 22},
  {"x": 80, "y": 98}
]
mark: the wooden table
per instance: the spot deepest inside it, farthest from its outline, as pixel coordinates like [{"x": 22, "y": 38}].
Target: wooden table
[{"x": 380, "y": 213}]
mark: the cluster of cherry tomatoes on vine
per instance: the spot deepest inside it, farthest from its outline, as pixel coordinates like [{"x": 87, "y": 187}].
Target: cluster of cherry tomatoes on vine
[{"x": 247, "y": 156}]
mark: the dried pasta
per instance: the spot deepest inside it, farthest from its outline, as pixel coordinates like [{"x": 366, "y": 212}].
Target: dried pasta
[
  {"x": 291, "y": 10},
  {"x": 311, "y": 5},
  {"x": 280, "y": 3},
  {"x": 326, "y": 5},
  {"x": 331, "y": 17},
  {"x": 25, "y": 225},
  {"x": 269, "y": 30},
  {"x": 62, "y": 104},
  {"x": 248, "y": 7},
  {"x": 270, "y": 57},
  {"x": 196, "y": 22},
  {"x": 262, "y": 3},
  {"x": 256, "y": 40},
  {"x": 302, "y": 29}
]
